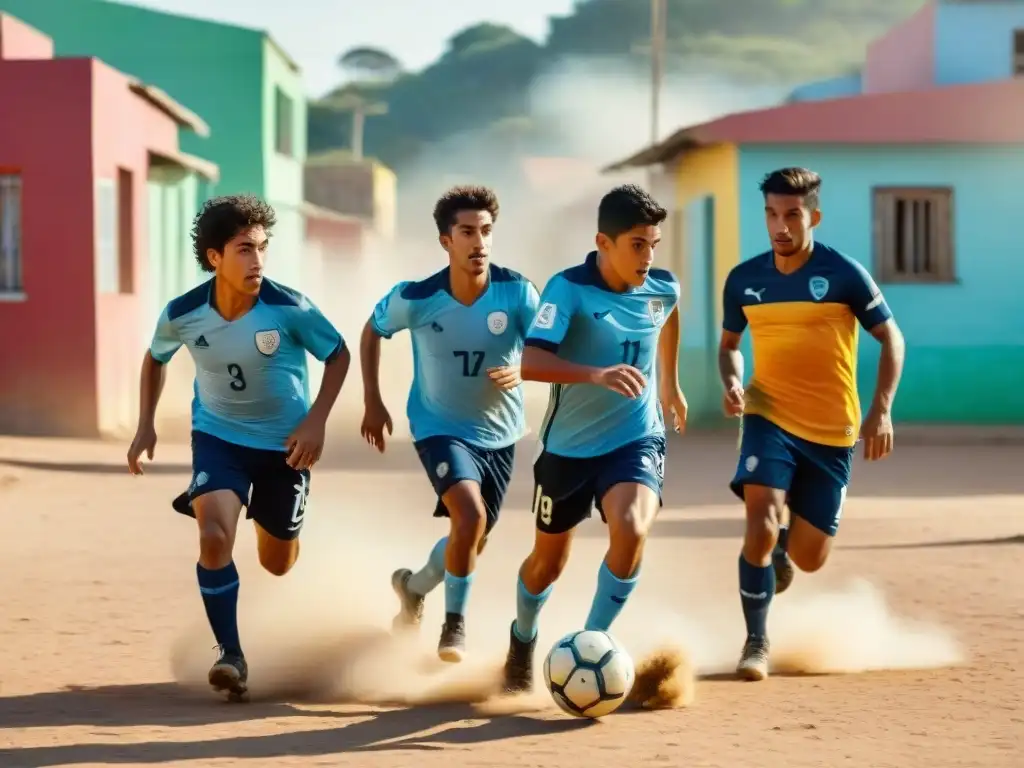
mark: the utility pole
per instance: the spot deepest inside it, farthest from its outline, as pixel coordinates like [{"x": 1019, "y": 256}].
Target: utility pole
[{"x": 658, "y": 36}]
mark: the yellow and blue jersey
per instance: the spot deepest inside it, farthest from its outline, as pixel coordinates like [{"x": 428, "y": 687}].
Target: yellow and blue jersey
[
  {"x": 453, "y": 346},
  {"x": 252, "y": 380},
  {"x": 803, "y": 329}
]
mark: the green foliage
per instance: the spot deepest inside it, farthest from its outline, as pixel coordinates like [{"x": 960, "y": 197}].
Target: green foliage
[{"x": 481, "y": 83}]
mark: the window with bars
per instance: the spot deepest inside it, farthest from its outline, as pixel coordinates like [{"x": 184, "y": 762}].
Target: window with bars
[
  {"x": 284, "y": 123},
  {"x": 913, "y": 233},
  {"x": 10, "y": 235}
]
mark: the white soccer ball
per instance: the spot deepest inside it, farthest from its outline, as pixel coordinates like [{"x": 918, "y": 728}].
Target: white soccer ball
[{"x": 589, "y": 674}]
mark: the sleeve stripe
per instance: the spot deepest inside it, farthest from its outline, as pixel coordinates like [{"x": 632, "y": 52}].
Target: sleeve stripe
[
  {"x": 547, "y": 346},
  {"x": 377, "y": 329},
  {"x": 338, "y": 349}
]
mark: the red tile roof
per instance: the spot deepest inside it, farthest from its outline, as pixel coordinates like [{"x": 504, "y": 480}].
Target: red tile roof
[{"x": 987, "y": 113}]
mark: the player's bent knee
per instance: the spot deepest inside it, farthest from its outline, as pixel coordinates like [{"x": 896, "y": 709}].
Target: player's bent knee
[
  {"x": 809, "y": 547},
  {"x": 629, "y": 510},
  {"x": 764, "y": 507},
  {"x": 466, "y": 510},
  {"x": 278, "y": 558}
]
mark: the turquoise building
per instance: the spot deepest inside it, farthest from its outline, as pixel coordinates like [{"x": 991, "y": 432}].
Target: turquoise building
[{"x": 922, "y": 156}]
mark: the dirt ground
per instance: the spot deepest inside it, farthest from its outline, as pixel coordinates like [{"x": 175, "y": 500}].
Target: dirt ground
[{"x": 102, "y": 640}]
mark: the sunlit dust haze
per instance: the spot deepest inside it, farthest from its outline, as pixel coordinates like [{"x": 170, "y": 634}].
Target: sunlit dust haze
[
  {"x": 548, "y": 201},
  {"x": 324, "y": 631}
]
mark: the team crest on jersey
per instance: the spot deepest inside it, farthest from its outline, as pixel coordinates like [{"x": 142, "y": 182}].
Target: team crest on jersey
[
  {"x": 268, "y": 342},
  {"x": 819, "y": 287},
  {"x": 656, "y": 309},
  {"x": 545, "y": 319},
  {"x": 497, "y": 322}
]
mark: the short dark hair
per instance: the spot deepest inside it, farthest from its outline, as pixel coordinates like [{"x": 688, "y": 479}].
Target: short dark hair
[
  {"x": 463, "y": 198},
  {"x": 799, "y": 182},
  {"x": 625, "y": 207},
  {"x": 222, "y": 218}
]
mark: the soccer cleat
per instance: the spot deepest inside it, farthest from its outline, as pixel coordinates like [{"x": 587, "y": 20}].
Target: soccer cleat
[
  {"x": 754, "y": 661},
  {"x": 452, "y": 646},
  {"x": 411, "y": 604},
  {"x": 519, "y": 664},
  {"x": 231, "y": 675},
  {"x": 784, "y": 571}
]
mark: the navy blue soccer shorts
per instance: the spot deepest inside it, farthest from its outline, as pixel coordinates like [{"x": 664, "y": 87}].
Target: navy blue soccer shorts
[
  {"x": 273, "y": 493},
  {"x": 814, "y": 476},
  {"x": 449, "y": 460},
  {"x": 567, "y": 489}
]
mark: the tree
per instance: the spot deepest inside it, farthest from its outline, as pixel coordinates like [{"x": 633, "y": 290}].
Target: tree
[
  {"x": 367, "y": 64},
  {"x": 359, "y": 105},
  {"x": 487, "y": 71}
]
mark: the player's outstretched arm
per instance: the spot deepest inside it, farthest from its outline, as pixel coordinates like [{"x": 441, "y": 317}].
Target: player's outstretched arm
[
  {"x": 673, "y": 401},
  {"x": 151, "y": 384},
  {"x": 874, "y": 315},
  {"x": 730, "y": 359},
  {"x": 166, "y": 342},
  {"x": 375, "y": 414},
  {"x": 877, "y": 429},
  {"x": 730, "y": 370},
  {"x": 306, "y": 444}
]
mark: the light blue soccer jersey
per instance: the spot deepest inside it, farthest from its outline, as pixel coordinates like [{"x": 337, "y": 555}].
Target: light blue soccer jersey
[
  {"x": 453, "y": 345},
  {"x": 252, "y": 381},
  {"x": 585, "y": 322}
]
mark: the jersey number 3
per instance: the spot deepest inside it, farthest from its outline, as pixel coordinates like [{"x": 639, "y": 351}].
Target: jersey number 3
[
  {"x": 237, "y": 382},
  {"x": 471, "y": 362}
]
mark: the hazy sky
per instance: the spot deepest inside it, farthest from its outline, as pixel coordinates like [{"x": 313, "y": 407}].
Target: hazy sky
[{"x": 315, "y": 32}]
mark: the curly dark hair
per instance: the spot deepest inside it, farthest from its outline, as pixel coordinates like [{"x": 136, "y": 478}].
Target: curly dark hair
[
  {"x": 222, "y": 218},
  {"x": 626, "y": 207},
  {"x": 796, "y": 182},
  {"x": 464, "y": 198}
]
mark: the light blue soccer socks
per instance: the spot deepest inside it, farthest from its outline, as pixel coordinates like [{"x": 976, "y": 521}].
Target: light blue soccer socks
[
  {"x": 427, "y": 578},
  {"x": 219, "y": 589},
  {"x": 757, "y": 588},
  {"x": 610, "y": 598},
  {"x": 527, "y": 611},
  {"x": 456, "y": 593}
]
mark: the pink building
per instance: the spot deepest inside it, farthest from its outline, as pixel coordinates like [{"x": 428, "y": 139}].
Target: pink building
[{"x": 77, "y": 169}]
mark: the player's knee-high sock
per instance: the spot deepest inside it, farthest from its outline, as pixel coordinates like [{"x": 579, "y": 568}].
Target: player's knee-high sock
[
  {"x": 456, "y": 593},
  {"x": 220, "y": 597},
  {"x": 783, "y": 543},
  {"x": 426, "y": 579},
  {"x": 610, "y": 598},
  {"x": 528, "y": 608},
  {"x": 757, "y": 587}
]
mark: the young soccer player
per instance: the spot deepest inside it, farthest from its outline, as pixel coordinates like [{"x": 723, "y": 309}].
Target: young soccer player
[
  {"x": 800, "y": 412},
  {"x": 253, "y": 428},
  {"x": 600, "y": 326},
  {"x": 465, "y": 406}
]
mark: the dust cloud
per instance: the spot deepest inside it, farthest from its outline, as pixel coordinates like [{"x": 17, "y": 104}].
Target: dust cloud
[
  {"x": 323, "y": 632},
  {"x": 548, "y": 202}
]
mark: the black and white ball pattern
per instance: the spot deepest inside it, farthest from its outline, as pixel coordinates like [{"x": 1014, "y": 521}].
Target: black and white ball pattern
[{"x": 589, "y": 674}]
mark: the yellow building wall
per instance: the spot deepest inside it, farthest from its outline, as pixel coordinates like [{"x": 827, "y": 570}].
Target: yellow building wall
[{"x": 714, "y": 171}]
